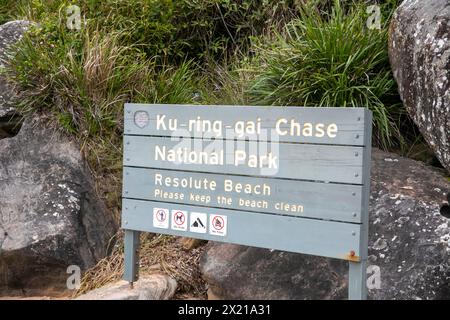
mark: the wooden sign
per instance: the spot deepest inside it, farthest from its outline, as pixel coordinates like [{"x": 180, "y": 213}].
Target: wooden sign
[{"x": 286, "y": 178}]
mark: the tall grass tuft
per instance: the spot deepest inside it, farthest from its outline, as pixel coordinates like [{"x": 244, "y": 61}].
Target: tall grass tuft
[
  {"x": 7, "y": 8},
  {"x": 329, "y": 59}
]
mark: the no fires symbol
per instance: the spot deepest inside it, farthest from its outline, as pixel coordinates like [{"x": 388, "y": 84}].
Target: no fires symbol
[
  {"x": 179, "y": 218},
  {"x": 218, "y": 223},
  {"x": 161, "y": 215}
]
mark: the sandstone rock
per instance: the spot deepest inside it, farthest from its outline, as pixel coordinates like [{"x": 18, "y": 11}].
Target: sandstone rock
[
  {"x": 10, "y": 124},
  {"x": 50, "y": 216},
  {"x": 10, "y": 33},
  {"x": 409, "y": 242},
  {"x": 419, "y": 51},
  {"x": 33, "y": 298},
  {"x": 154, "y": 287},
  {"x": 191, "y": 243}
]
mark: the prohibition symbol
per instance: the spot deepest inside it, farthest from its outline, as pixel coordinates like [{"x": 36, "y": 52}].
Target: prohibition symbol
[
  {"x": 179, "y": 218},
  {"x": 161, "y": 215},
  {"x": 218, "y": 223},
  {"x": 160, "y": 218}
]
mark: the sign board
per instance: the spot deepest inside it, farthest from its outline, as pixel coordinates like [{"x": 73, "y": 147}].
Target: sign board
[{"x": 287, "y": 178}]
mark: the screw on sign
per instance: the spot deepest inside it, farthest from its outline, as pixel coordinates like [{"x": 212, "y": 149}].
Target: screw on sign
[{"x": 179, "y": 218}]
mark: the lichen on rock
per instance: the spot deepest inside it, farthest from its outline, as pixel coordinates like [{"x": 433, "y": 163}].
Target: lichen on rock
[{"x": 419, "y": 51}]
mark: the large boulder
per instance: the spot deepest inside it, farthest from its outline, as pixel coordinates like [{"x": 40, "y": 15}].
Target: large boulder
[
  {"x": 10, "y": 33},
  {"x": 50, "y": 215},
  {"x": 409, "y": 242},
  {"x": 419, "y": 51}
]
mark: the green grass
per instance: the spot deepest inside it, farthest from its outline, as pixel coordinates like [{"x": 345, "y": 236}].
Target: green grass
[
  {"x": 329, "y": 60},
  {"x": 7, "y": 10},
  {"x": 86, "y": 77}
]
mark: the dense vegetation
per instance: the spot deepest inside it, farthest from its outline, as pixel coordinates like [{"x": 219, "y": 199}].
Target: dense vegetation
[{"x": 329, "y": 60}]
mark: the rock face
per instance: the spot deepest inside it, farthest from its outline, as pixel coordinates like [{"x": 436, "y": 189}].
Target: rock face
[
  {"x": 419, "y": 50},
  {"x": 10, "y": 33},
  {"x": 409, "y": 241},
  {"x": 50, "y": 216},
  {"x": 154, "y": 287}
]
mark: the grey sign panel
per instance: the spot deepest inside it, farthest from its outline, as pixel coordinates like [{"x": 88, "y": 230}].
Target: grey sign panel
[
  {"x": 293, "y": 122},
  {"x": 278, "y": 196},
  {"x": 310, "y": 236},
  {"x": 293, "y": 161},
  {"x": 304, "y": 189}
]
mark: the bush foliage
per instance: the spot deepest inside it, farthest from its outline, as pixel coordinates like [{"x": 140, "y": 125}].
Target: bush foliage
[
  {"x": 174, "y": 30},
  {"x": 329, "y": 60}
]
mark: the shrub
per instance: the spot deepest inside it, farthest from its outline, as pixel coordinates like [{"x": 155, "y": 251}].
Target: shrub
[
  {"x": 226, "y": 82},
  {"x": 173, "y": 30},
  {"x": 329, "y": 60},
  {"x": 91, "y": 75}
]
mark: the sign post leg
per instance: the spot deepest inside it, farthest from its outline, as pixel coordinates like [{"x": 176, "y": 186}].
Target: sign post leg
[
  {"x": 357, "y": 287},
  {"x": 131, "y": 256}
]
